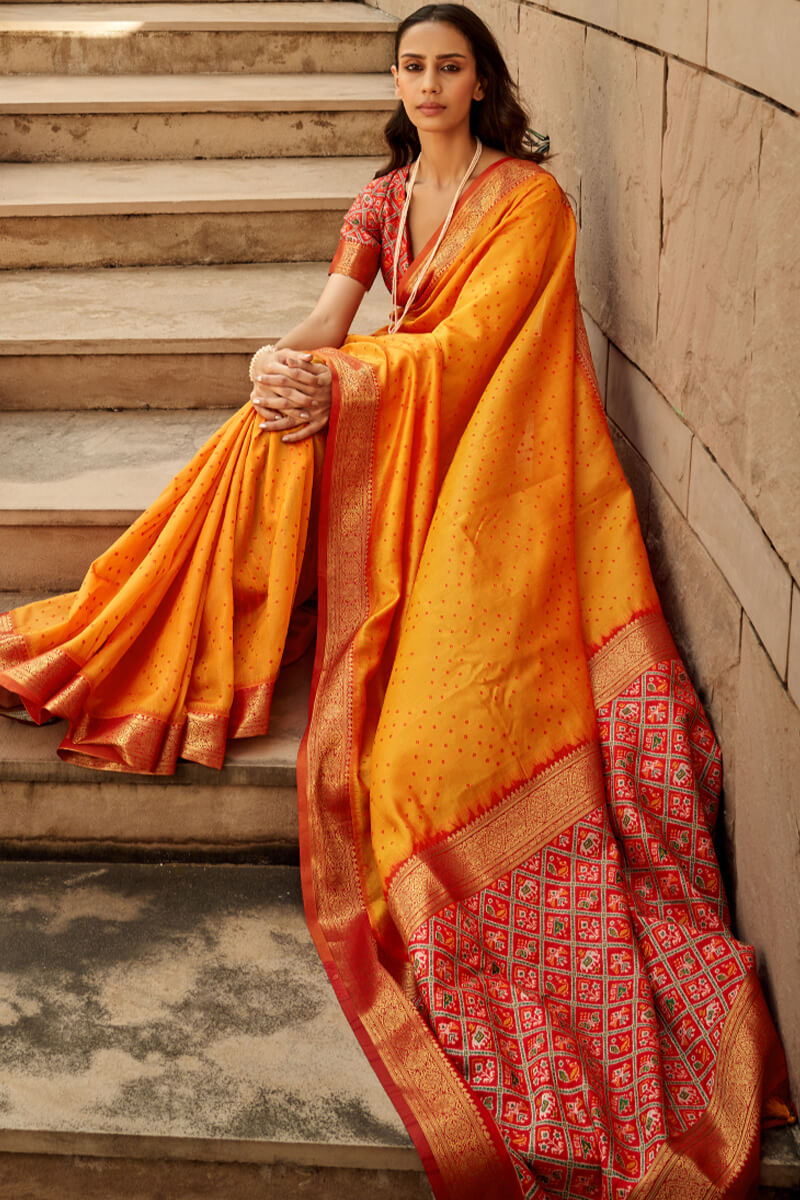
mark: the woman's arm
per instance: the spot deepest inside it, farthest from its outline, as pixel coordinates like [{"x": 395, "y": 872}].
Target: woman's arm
[{"x": 288, "y": 389}]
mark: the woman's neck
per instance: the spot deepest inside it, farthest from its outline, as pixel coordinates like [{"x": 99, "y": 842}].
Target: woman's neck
[{"x": 444, "y": 157}]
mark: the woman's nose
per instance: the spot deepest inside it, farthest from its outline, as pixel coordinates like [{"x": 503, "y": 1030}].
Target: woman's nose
[{"x": 430, "y": 83}]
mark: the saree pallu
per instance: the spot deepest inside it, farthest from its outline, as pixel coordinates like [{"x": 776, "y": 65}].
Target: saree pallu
[{"x": 508, "y": 785}]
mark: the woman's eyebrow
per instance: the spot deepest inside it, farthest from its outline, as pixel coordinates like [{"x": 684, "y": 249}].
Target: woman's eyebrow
[{"x": 455, "y": 54}]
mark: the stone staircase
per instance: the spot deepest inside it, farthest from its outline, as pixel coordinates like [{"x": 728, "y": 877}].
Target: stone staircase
[{"x": 172, "y": 182}]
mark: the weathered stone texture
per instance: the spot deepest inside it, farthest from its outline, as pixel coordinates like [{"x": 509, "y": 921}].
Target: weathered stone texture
[
  {"x": 755, "y": 42},
  {"x": 502, "y": 17},
  {"x": 57, "y": 1177},
  {"x": 708, "y": 263},
  {"x": 676, "y": 26},
  {"x": 773, "y": 460},
  {"x": 793, "y": 677},
  {"x": 765, "y": 806},
  {"x": 551, "y": 84},
  {"x": 734, "y": 539},
  {"x": 701, "y": 610},
  {"x": 637, "y": 473},
  {"x": 651, "y": 424},
  {"x": 622, "y": 121}
]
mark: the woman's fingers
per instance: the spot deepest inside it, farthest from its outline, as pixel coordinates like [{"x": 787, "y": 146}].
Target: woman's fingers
[{"x": 308, "y": 430}]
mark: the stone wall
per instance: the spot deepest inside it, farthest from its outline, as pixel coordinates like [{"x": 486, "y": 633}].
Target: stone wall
[{"x": 675, "y": 132}]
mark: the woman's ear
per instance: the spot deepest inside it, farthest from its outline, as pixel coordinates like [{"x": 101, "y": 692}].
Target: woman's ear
[
  {"x": 480, "y": 90},
  {"x": 396, "y": 81}
]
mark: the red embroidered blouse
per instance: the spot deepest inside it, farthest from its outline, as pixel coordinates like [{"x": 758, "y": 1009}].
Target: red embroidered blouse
[{"x": 370, "y": 229}]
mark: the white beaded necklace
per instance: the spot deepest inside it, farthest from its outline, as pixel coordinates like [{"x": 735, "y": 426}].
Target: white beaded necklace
[{"x": 394, "y": 321}]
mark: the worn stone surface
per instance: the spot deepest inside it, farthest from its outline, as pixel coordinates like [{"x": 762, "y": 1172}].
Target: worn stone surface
[
  {"x": 178, "y": 1002},
  {"x": 40, "y": 382},
  {"x": 701, "y": 610},
  {"x": 53, "y": 1177},
  {"x": 620, "y": 190},
  {"x": 675, "y": 26},
  {"x": 755, "y": 42},
  {"x": 637, "y": 473},
  {"x": 118, "y": 137},
  {"x": 184, "y": 51},
  {"x": 766, "y": 841},
  {"x": 48, "y": 557},
  {"x": 551, "y": 82},
  {"x": 793, "y": 676},
  {"x": 162, "y": 239},
  {"x": 222, "y": 309},
  {"x": 651, "y": 424},
  {"x": 735, "y": 541},
  {"x": 602, "y": 13},
  {"x": 708, "y": 264},
  {"x": 96, "y": 463},
  {"x": 773, "y": 482},
  {"x": 502, "y": 17}
]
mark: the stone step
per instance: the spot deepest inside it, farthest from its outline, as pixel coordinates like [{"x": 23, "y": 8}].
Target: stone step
[
  {"x": 173, "y": 1016},
  {"x": 248, "y": 811},
  {"x": 189, "y": 38},
  {"x": 67, "y": 118},
  {"x": 170, "y": 1031},
  {"x": 158, "y": 213},
  {"x": 141, "y": 337}
]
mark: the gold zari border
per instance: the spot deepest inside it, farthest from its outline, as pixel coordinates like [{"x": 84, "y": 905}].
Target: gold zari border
[
  {"x": 628, "y": 654},
  {"x": 450, "y": 1119},
  {"x": 500, "y": 839},
  {"x": 704, "y": 1163}
]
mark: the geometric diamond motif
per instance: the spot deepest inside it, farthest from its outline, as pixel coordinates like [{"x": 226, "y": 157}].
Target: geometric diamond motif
[{"x": 582, "y": 995}]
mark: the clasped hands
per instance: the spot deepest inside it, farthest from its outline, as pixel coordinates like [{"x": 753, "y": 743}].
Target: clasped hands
[{"x": 291, "y": 392}]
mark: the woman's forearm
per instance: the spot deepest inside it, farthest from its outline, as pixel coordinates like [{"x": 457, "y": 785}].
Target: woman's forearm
[
  {"x": 330, "y": 320},
  {"x": 313, "y": 332}
]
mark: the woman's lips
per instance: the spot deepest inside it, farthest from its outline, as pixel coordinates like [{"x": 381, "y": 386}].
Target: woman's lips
[{"x": 431, "y": 109}]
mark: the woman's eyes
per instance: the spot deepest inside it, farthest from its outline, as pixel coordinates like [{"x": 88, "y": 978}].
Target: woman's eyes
[{"x": 451, "y": 68}]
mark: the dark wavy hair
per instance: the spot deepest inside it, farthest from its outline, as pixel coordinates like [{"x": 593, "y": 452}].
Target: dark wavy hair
[{"x": 499, "y": 119}]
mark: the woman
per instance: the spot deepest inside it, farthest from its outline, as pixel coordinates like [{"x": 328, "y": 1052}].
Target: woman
[{"x": 507, "y": 786}]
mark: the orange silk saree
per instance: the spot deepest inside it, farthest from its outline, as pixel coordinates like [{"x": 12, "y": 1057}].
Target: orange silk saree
[{"x": 507, "y": 786}]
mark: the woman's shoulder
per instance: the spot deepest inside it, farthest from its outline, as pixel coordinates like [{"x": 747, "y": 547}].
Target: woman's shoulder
[{"x": 381, "y": 186}]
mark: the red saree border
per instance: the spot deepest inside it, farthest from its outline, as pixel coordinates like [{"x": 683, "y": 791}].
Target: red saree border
[
  {"x": 137, "y": 742},
  {"x": 454, "y": 1135},
  {"x": 717, "y": 1159},
  {"x": 628, "y": 653},
  {"x": 497, "y": 841}
]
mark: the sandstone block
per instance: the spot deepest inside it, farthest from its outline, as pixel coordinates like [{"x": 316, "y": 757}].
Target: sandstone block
[
  {"x": 651, "y": 424},
  {"x": 676, "y": 26},
  {"x": 735, "y": 541},
  {"x": 766, "y": 806},
  {"x": 502, "y": 17},
  {"x": 620, "y": 191},
  {"x": 602, "y": 13},
  {"x": 637, "y": 473},
  {"x": 793, "y": 677},
  {"x": 708, "y": 261},
  {"x": 755, "y": 42},
  {"x": 701, "y": 610},
  {"x": 551, "y": 82},
  {"x": 773, "y": 449}
]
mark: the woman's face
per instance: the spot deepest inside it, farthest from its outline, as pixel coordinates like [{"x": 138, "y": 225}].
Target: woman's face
[{"x": 436, "y": 77}]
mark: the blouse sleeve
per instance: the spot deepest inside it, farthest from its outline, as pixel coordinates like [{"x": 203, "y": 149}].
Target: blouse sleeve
[{"x": 359, "y": 250}]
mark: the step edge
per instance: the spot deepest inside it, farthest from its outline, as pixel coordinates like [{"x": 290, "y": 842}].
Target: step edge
[{"x": 100, "y": 1144}]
